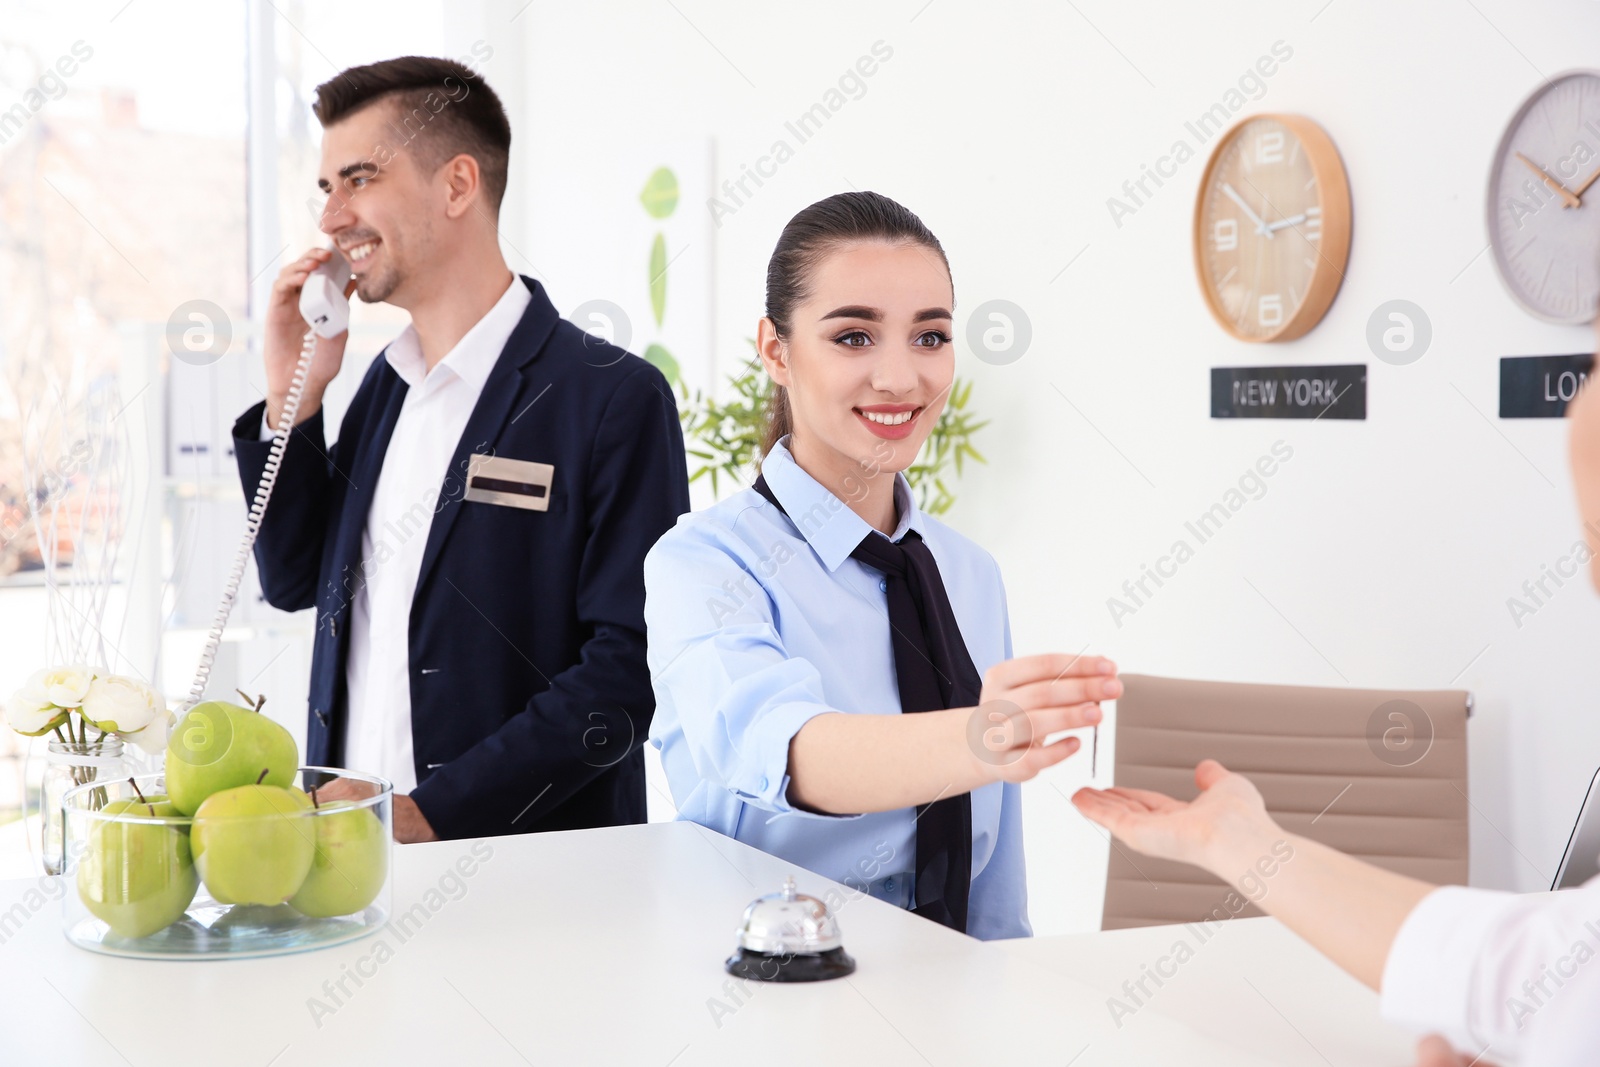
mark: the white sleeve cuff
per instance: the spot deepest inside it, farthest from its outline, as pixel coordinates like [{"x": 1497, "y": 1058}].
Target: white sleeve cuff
[{"x": 1428, "y": 979}]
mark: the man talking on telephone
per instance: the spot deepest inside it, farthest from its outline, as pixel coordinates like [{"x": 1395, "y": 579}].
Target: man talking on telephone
[{"x": 473, "y": 541}]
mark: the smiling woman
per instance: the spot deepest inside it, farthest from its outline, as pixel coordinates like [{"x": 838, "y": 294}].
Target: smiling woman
[{"x": 824, "y": 651}]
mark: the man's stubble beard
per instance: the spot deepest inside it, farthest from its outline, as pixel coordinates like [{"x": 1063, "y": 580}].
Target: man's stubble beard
[{"x": 376, "y": 288}]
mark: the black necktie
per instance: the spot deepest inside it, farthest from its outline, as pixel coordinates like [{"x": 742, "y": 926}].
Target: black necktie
[{"x": 934, "y": 671}]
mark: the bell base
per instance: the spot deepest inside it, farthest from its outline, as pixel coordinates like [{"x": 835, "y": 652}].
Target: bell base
[{"x": 808, "y": 967}]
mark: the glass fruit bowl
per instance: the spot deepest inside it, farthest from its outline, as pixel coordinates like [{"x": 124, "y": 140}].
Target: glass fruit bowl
[{"x": 257, "y": 870}]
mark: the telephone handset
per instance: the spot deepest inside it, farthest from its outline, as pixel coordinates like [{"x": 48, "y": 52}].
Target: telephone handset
[
  {"x": 324, "y": 306},
  {"x": 322, "y": 300}
]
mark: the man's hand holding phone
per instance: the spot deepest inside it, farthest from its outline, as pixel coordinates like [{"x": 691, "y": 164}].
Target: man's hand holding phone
[{"x": 285, "y": 334}]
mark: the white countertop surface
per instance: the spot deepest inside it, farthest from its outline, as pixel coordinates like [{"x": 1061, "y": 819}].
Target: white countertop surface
[
  {"x": 606, "y": 947},
  {"x": 1249, "y": 983}
]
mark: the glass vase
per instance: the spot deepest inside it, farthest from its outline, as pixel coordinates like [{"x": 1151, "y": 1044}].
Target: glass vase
[
  {"x": 145, "y": 881},
  {"x": 68, "y": 765}
]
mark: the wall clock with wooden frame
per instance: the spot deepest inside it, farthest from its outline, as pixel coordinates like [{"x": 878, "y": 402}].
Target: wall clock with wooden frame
[
  {"x": 1544, "y": 223},
  {"x": 1272, "y": 227}
]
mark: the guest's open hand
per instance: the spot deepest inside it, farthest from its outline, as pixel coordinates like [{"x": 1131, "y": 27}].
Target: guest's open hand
[{"x": 1227, "y": 808}]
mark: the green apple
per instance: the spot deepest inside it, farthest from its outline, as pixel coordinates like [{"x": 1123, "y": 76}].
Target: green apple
[
  {"x": 253, "y": 844},
  {"x": 137, "y": 877},
  {"x": 351, "y": 861},
  {"x": 218, "y": 745}
]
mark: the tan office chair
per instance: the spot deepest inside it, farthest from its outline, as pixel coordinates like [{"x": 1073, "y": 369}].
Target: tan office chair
[{"x": 1378, "y": 774}]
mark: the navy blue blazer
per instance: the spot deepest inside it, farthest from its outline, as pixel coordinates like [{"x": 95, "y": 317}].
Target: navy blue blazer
[{"x": 530, "y": 698}]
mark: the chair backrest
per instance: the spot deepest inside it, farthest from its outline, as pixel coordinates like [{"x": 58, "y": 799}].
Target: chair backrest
[{"x": 1378, "y": 774}]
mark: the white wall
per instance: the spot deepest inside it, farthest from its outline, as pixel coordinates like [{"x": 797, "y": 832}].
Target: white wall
[{"x": 1381, "y": 555}]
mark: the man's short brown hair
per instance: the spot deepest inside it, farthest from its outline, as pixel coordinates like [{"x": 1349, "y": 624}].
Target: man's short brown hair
[{"x": 443, "y": 109}]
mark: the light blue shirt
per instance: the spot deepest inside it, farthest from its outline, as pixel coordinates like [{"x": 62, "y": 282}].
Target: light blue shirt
[{"x": 755, "y": 625}]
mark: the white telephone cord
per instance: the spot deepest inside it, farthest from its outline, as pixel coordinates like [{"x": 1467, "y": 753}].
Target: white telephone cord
[{"x": 252, "y": 523}]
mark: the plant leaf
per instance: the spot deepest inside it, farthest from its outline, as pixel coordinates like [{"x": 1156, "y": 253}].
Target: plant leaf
[
  {"x": 658, "y": 278},
  {"x": 660, "y": 193}
]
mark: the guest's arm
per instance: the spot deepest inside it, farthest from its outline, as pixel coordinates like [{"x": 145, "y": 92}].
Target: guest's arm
[
  {"x": 1490, "y": 971},
  {"x": 1349, "y": 910},
  {"x": 1435, "y": 1051}
]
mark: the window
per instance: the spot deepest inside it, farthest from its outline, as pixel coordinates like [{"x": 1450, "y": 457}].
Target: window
[{"x": 128, "y": 192}]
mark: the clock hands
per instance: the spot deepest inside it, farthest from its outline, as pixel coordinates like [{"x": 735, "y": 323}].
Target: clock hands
[
  {"x": 1579, "y": 191},
  {"x": 1567, "y": 197},
  {"x": 1264, "y": 228},
  {"x": 1261, "y": 227}
]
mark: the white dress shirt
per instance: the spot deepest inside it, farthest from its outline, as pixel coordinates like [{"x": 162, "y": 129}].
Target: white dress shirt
[
  {"x": 433, "y": 416},
  {"x": 1508, "y": 977}
]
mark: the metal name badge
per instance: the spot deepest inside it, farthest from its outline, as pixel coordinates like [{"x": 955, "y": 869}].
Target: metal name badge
[{"x": 515, "y": 483}]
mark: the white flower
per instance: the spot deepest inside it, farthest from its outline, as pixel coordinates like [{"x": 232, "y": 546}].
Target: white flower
[
  {"x": 153, "y": 738},
  {"x": 66, "y": 686},
  {"x": 30, "y": 711},
  {"x": 123, "y": 705}
]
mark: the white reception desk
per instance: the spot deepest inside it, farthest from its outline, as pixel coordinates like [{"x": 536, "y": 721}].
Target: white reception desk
[{"x": 606, "y": 947}]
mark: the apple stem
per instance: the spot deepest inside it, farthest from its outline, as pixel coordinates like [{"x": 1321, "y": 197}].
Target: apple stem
[
  {"x": 140, "y": 794},
  {"x": 263, "y": 774},
  {"x": 315, "y": 803}
]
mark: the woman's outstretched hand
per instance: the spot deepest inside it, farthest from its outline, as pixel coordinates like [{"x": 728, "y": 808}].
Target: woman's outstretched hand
[{"x": 1227, "y": 812}]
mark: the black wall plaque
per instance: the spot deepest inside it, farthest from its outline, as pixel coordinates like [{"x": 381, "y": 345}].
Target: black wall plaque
[
  {"x": 1538, "y": 387},
  {"x": 1330, "y": 392}
]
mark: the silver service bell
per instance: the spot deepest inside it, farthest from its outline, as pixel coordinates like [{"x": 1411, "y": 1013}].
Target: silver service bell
[{"x": 789, "y": 937}]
